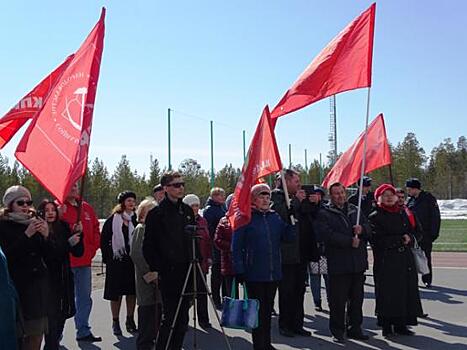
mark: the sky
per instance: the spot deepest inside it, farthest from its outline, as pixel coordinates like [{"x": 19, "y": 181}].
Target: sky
[{"x": 224, "y": 61}]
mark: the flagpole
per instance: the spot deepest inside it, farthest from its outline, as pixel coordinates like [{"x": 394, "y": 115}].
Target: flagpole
[
  {"x": 286, "y": 194},
  {"x": 362, "y": 173},
  {"x": 391, "y": 178},
  {"x": 81, "y": 194}
]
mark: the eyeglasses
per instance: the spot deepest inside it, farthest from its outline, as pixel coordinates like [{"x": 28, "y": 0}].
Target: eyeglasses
[
  {"x": 21, "y": 203},
  {"x": 176, "y": 184}
]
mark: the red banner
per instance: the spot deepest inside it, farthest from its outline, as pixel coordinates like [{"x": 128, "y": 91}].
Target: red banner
[
  {"x": 348, "y": 167},
  {"x": 345, "y": 64},
  {"x": 55, "y": 146},
  {"x": 29, "y": 105},
  {"x": 263, "y": 159}
]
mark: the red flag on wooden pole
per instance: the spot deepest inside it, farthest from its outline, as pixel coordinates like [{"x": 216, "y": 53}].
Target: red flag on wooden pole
[
  {"x": 55, "y": 146},
  {"x": 263, "y": 159},
  {"x": 347, "y": 169},
  {"x": 345, "y": 64},
  {"x": 29, "y": 105}
]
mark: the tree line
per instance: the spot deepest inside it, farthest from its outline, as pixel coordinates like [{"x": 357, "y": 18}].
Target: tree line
[{"x": 443, "y": 172}]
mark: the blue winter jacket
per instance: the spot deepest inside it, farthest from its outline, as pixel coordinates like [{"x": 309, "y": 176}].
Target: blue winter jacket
[{"x": 256, "y": 247}]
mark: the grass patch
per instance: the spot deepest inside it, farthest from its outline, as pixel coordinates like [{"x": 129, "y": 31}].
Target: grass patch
[{"x": 452, "y": 237}]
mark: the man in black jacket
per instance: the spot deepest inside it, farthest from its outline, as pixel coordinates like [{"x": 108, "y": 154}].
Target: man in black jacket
[
  {"x": 368, "y": 197},
  {"x": 167, "y": 250},
  {"x": 345, "y": 245},
  {"x": 213, "y": 212},
  {"x": 425, "y": 206},
  {"x": 294, "y": 263}
]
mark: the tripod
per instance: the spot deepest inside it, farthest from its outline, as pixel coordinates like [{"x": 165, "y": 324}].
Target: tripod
[{"x": 194, "y": 269}]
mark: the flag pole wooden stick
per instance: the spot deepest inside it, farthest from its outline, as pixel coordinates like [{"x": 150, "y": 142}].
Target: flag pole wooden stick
[
  {"x": 362, "y": 173},
  {"x": 286, "y": 193},
  {"x": 391, "y": 178},
  {"x": 80, "y": 199}
]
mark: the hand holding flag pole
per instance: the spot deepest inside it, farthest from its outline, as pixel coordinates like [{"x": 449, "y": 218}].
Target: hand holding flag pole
[{"x": 286, "y": 193}]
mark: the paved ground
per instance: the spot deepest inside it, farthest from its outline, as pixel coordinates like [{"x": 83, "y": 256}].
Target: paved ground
[{"x": 445, "y": 328}]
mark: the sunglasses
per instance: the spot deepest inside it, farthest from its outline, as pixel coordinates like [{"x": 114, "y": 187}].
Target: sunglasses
[
  {"x": 21, "y": 203},
  {"x": 177, "y": 184}
]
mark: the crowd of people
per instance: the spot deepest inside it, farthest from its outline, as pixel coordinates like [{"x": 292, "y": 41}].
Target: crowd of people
[{"x": 297, "y": 236}]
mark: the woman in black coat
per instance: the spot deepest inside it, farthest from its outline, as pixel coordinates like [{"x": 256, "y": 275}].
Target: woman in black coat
[
  {"x": 120, "y": 271},
  {"x": 397, "y": 296},
  {"x": 24, "y": 240},
  {"x": 61, "y": 304}
]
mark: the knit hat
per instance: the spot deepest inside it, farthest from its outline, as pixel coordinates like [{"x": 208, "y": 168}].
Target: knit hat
[
  {"x": 413, "y": 183},
  {"x": 366, "y": 181},
  {"x": 122, "y": 196},
  {"x": 191, "y": 199},
  {"x": 15, "y": 192},
  {"x": 259, "y": 188},
  {"x": 384, "y": 187}
]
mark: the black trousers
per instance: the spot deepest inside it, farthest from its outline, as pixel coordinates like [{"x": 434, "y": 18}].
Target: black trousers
[
  {"x": 202, "y": 302},
  {"x": 217, "y": 286},
  {"x": 149, "y": 318},
  {"x": 171, "y": 286},
  {"x": 427, "y": 247},
  {"x": 265, "y": 293},
  {"x": 52, "y": 338},
  {"x": 291, "y": 296},
  {"x": 346, "y": 289}
]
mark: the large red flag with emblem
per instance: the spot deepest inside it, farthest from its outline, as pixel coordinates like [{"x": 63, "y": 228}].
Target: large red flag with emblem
[
  {"x": 55, "y": 146},
  {"x": 263, "y": 159},
  {"x": 29, "y": 105},
  {"x": 347, "y": 169},
  {"x": 345, "y": 64}
]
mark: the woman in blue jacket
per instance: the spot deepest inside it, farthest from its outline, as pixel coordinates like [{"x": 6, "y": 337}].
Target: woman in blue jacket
[{"x": 257, "y": 259}]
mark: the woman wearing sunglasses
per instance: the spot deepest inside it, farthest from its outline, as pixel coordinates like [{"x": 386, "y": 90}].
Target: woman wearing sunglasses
[
  {"x": 61, "y": 305},
  {"x": 24, "y": 240},
  {"x": 116, "y": 236}
]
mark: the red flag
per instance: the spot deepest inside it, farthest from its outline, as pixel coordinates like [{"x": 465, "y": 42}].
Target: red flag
[
  {"x": 263, "y": 159},
  {"x": 29, "y": 105},
  {"x": 348, "y": 167},
  {"x": 55, "y": 146},
  {"x": 345, "y": 64}
]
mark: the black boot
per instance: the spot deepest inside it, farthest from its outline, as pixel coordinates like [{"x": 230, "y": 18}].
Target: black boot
[
  {"x": 130, "y": 325},
  {"x": 387, "y": 331},
  {"x": 116, "y": 327},
  {"x": 403, "y": 330}
]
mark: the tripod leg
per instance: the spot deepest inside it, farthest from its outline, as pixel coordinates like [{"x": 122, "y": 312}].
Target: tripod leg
[
  {"x": 208, "y": 292},
  {"x": 178, "y": 308}
]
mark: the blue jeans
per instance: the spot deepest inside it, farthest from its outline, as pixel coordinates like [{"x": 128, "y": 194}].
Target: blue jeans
[
  {"x": 315, "y": 286},
  {"x": 83, "y": 301}
]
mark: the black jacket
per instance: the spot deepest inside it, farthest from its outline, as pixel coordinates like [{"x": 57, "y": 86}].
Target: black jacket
[
  {"x": 27, "y": 267},
  {"x": 290, "y": 251},
  {"x": 213, "y": 212},
  {"x": 426, "y": 208},
  {"x": 334, "y": 228},
  {"x": 308, "y": 243},
  {"x": 166, "y": 243},
  {"x": 397, "y": 292},
  {"x": 61, "y": 286},
  {"x": 367, "y": 202}
]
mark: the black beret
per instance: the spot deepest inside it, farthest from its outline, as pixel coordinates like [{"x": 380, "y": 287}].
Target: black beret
[
  {"x": 413, "y": 183},
  {"x": 366, "y": 181},
  {"x": 124, "y": 195}
]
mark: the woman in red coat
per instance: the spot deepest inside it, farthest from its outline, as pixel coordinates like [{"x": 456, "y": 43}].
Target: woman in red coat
[{"x": 205, "y": 247}]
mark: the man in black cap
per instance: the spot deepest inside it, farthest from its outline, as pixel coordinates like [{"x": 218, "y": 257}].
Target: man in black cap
[
  {"x": 368, "y": 197},
  {"x": 426, "y": 208}
]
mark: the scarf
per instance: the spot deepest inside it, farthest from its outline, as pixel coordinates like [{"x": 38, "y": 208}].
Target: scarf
[
  {"x": 118, "y": 241},
  {"x": 392, "y": 209},
  {"x": 20, "y": 218}
]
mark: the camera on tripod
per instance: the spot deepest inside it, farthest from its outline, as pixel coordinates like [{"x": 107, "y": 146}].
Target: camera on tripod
[{"x": 191, "y": 230}]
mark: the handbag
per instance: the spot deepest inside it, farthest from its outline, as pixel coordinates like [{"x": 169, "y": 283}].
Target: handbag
[
  {"x": 421, "y": 262},
  {"x": 239, "y": 313},
  {"x": 319, "y": 267}
]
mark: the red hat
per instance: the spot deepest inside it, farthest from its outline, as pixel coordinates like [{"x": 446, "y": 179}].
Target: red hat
[{"x": 384, "y": 187}]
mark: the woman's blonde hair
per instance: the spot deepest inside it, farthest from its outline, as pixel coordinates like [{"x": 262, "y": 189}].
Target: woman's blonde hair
[{"x": 146, "y": 205}]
